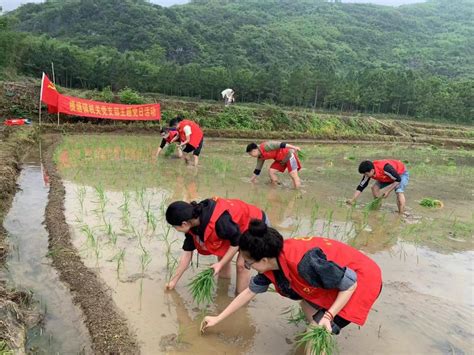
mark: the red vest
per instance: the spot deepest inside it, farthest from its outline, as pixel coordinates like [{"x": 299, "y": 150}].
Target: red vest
[
  {"x": 379, "y": 172},
  {"x": 278, "y": 154},
  {"x": 369, "y": 277},
  {"x": 171, "y": 136},
  {"x": 196, "y": 132},
  {"x": 241, "y": 213}
]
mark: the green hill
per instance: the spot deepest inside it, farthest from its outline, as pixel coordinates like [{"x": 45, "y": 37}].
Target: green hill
[{"x": 414, "y": 59}]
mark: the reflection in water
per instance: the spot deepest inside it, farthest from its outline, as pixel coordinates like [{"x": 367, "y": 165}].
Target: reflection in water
[{"x": 420, "y": 262}]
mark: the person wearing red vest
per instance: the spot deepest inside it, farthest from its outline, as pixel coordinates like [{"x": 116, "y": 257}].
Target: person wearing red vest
[
  {"x": 191, "y": 137},
  {"x": 168, "y": 137},
  {"x": 389, "y": 175},
  {"x": 285, "y": 157},
  {"x": 336, "y": 284},
  {"x": 213, "y": 227}
]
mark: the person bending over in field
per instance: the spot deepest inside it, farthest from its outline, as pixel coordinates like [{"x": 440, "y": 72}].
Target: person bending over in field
[
  {"x": 213, "y": 227},
  {"x": 285, "y": 157},
  {"x": 191, "y": 137},
  {"x": 335, "y": 283},
  {"x": 168, "y": 137},
  {"x": 389, "y": 175}
]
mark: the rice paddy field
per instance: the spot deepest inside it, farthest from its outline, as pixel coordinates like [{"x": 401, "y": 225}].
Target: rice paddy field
[{"x": 117, "y": 193}]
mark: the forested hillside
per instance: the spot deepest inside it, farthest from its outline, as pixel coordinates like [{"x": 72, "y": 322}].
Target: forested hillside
[{"x": 414, "y": 59}]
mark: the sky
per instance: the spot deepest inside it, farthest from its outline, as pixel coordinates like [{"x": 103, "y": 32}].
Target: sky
[{"x": 9, "y": 5}]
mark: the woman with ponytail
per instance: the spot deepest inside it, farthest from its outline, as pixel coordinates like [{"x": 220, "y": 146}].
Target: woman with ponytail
[
  {"x": 213, "y": 227},
  {"x": 336, "y": 283}
]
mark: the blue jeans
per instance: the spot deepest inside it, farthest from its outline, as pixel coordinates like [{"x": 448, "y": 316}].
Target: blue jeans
[{"x": 403, "y": 183}]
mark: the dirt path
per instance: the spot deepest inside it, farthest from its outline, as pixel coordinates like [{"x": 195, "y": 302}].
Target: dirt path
[{"x": 107, "y": 326}]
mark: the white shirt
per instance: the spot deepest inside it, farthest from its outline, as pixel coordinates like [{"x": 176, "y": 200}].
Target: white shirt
[
  {"x": 187, "y": 130},
  {"x": 227, "y": 93}
]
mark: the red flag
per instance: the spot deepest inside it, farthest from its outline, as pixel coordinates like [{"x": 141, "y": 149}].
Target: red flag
[{"x": 49, "y": 94}]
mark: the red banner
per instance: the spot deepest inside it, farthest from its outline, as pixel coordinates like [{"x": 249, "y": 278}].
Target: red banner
[
  {"x": 49, "y": 94},
  {"x": 88, "y": 108}
]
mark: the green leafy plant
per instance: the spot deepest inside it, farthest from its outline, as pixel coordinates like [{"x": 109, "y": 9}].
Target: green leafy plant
[
  {"x": 302, "y": 155},
  {"x": 170, "y": 149},
  {"x": 202, "y": 286},
  {"x": 318, "y": 340},
  {"x": 295, "y": 315},
  {"x": 431, "y": 203},
  {"x": 374, "y": 204}
]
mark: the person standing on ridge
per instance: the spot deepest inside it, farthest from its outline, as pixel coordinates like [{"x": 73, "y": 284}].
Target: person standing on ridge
[{"x": 228, "y": 96}]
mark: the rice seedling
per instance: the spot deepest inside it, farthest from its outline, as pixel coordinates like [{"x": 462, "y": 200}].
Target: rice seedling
[
  {"x": 202, "y": 286},
  {"x": 314, "y": 214},
  {"x": 91, "y": 239},
  {"x": 170, "y": 149},
  {"x": 145, "y": 260},
  {"x": 119, "y": 258},
  {"x": 295, "y": 315},
  {"x": 102, "y": 198},
  {"x": 431, "y": 203},
  {"x": 110, "y": 233},
  {"x": 302, "y": 155},
  {"x": 81, "y": 195},
  {"x": 318, "y": 341},
  {"x": 140, "y": 197},
  {"x": 375, "y": 204}
]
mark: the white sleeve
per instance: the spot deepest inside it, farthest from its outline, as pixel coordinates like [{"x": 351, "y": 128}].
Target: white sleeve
[{"x": 187, "y": 130}]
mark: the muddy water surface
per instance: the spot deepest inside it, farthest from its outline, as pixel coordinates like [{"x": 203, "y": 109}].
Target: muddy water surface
[
  {"x": 117, "y": 194},
  {"x": 29, "y": 267}
]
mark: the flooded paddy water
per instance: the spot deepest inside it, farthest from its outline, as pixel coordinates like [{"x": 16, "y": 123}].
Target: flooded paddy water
[
  {"x": 62, "y": 330},
  {"x": 117, "y": 192}
]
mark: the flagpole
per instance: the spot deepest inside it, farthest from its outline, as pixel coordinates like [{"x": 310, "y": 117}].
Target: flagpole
[
  {"x": 54, "y": 81},
  {"x": 41, "y": 97}
]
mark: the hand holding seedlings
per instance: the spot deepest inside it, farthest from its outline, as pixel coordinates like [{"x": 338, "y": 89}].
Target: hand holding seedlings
[
  {"x": 217, "y": 268},
  {"x": 326, "y": 323},
  {"x": 317, "y": 340}
]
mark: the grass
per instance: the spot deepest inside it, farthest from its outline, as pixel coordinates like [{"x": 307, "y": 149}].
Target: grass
[
  {"x": 318, "y": 340},
  {"x": 202, "y": 286},
  {"x": 431, "y": 203}
]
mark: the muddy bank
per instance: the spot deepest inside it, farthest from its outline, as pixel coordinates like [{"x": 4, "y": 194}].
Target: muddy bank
[
  {"x": 107, "y": 327},
  {"x": 17, "y": 311},
  {"x": 147, "y": 128}
]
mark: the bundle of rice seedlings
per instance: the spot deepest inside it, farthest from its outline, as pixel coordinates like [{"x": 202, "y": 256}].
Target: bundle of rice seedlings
[
  {"x": 202, "y": 286},
  {"x": 301, "y": 155},
  {"x": 170, "y": 149},
  {"x": 431, "y": 202},
  {"x": 374, "y": 204},
  {"x": 318, "y": 340}
]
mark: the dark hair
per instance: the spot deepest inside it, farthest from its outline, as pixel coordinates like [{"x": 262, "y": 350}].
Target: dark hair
[
  {"x": 261, "y": 241},
  {"x": 365, "y": 166},
  {"x": 174, "y": 122},
  {"x": 180, "y": 211},
  {"x": 179, "y": 118},
  {"x": 251, "y": 147},
  {"x": 164, "y": 130}
]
